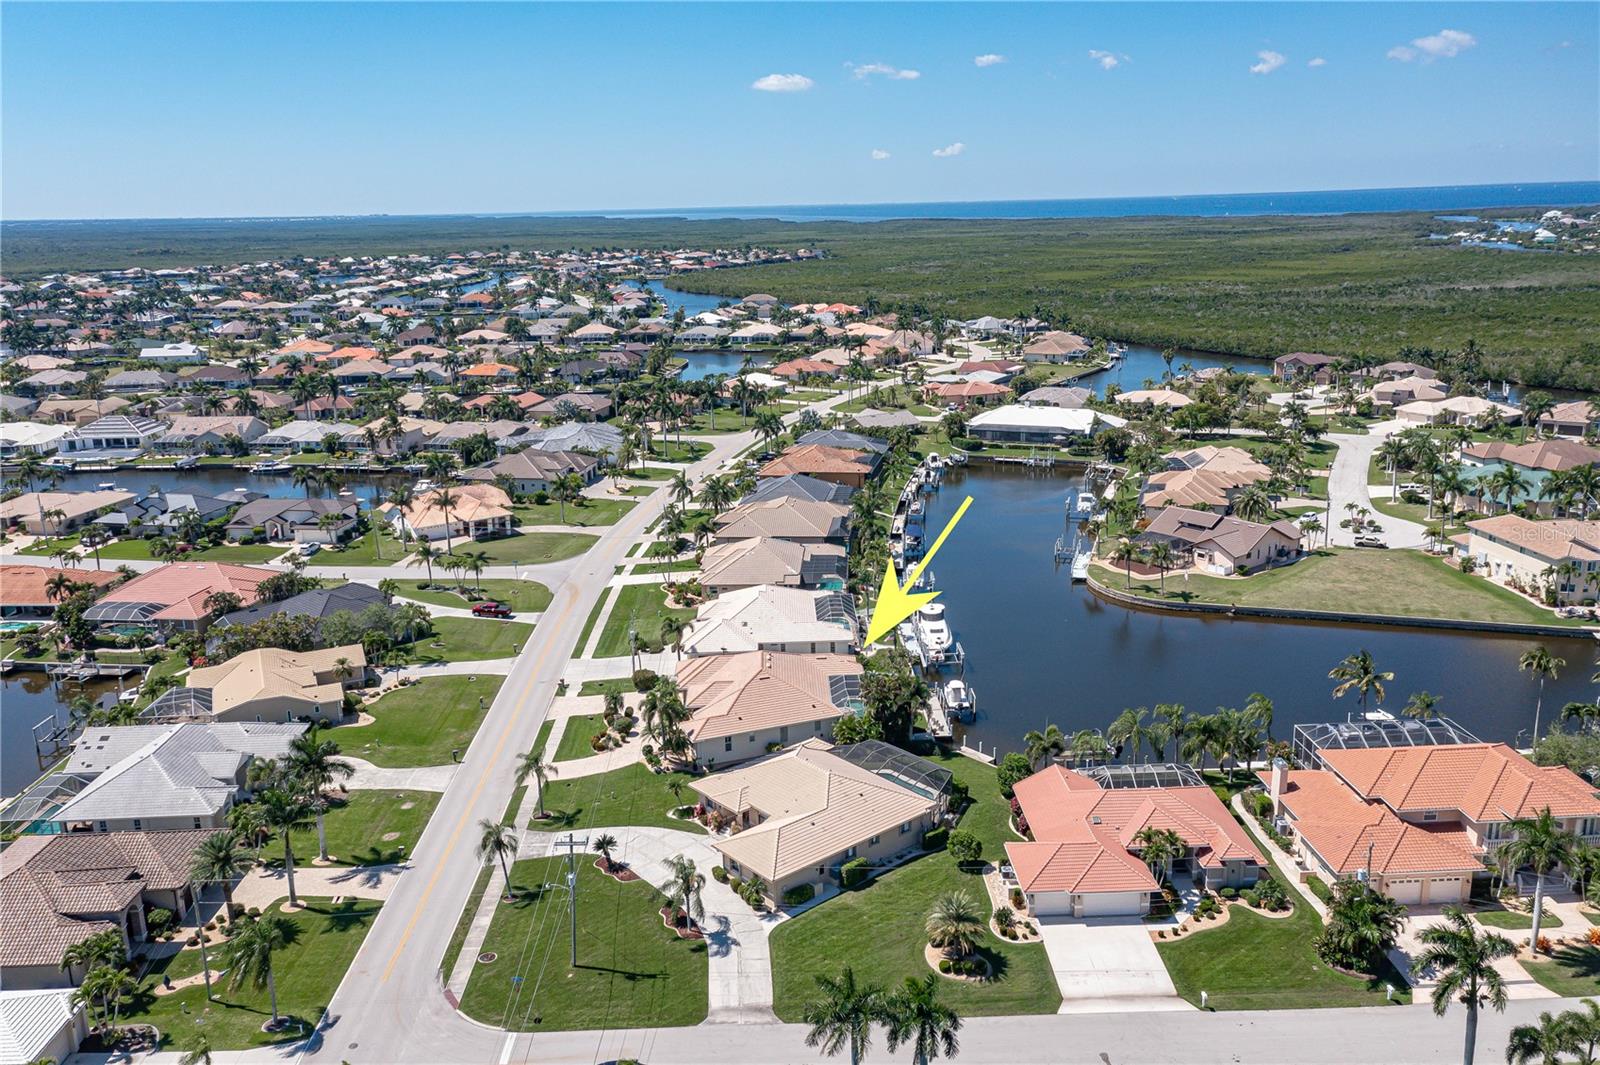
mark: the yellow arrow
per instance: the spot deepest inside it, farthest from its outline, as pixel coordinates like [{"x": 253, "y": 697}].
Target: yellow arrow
[{"x": 895, "y": 603}]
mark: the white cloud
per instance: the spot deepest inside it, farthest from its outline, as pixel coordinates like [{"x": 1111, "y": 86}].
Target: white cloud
[
  {"x": 1107, "y": 60},
  {"x": 782, "y": 83},
  {"x": 1317, "y": 62},
  {"x": 988, "y": 59},
  {"x": 867, "y": 70},
  {"x": 879, "y": 153},
  {"x": 1270, "y": 61},
  {"x": 1446, "y": 44},
  {"x": 949, "y": 150}
]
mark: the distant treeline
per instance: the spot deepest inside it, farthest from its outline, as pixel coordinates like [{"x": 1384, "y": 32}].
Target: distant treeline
[{"x": 1263, "y": 286}]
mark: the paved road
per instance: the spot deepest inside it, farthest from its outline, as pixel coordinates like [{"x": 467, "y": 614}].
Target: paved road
[{"x": 1347, "y": 483}]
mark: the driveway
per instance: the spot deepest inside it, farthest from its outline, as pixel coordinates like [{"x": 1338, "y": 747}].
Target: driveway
[
  {"x": 1107, "y": 965},
  {"x": 1347, "y": 483}
]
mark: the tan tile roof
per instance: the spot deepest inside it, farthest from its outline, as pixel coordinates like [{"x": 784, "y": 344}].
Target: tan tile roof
[
  {"x": 816, "y": 804},
  {"x": 814, "y": 459},
  {"x": 1199, "y": 488},
  {"x": 761, "y": 560},
  {"x": 754, "y": 690},
  {"x": 473, "y": 502},
  {"x": 182, "y": 588},
  {"x": 1349, "y": 833},
  {"x": 267, "y": 672},
  {"x": 25, "y": 585},
  {"x": 1483, "y": 781},
  {"x": 1555, "y": 541},
  {"x": 1557, "y": 454}
]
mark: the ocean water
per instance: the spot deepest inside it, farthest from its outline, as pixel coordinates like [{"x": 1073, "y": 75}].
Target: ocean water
[{"x": 1332, "y": 201}]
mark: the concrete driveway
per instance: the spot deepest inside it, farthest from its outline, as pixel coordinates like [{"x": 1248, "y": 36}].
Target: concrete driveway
[
  {"x": 1347, "y": 483},
  {"x": 1107, "y": 965}
]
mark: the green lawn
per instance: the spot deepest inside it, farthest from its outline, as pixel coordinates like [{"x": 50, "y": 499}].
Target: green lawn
[
  {"x": 650, "y": 473},
  {"x": 1572, "y": 972},
  {"x": 631, "y": 973},
  {"x": 422, "y": 723},
  {"x": 365, "y": 828},
  {"x": 1395, "y": 583},
  {"x": 1512, "y": 919},
  {"x": 518, "y": 595},
  {"x": 469, "y": 640},
  {"x": 306, "y": 972},
  {"x": 363, "y": 551},
  {"x": 138, "y": 549},
  {"x": 576, "y": 735},
  {"x": 631, "y": 795},
  {"x": 878, "y": 928},
  {"x": 646, "y": 606},
  {"x": 1266, "y": 963},
  {"x": 686, "y": 565},
  {"x": 674, "y": 451},
  {"x": 586, "y": 512},
  {"x": 534, "y": 548},
  {"x": 640, "y": 490},
  {"x": 622, "y": 685}
]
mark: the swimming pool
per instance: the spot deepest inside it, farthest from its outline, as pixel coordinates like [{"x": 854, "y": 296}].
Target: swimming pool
[{"x": 10, "y": 628}]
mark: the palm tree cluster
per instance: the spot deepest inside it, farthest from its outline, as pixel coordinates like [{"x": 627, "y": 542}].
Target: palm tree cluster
[
  {"x": 842, "y": 1017},
  {"x": 1230, "y": 736},
  {"x": 291, "y": 795}
]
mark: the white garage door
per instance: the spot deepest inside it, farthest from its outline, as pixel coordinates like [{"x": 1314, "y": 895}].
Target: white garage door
[
  {"x": 1444, "y": 889},
  {"x": 1052, "y": 904},
  {"x": 1407, "y": 892},
  {"x": 1113, "y": 903}
]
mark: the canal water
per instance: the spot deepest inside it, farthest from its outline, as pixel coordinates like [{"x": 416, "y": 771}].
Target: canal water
[
  {"x": 1042, "y": 650},
  {"x": 26, "y": 698},
  {"x": 214, "y": 480}
]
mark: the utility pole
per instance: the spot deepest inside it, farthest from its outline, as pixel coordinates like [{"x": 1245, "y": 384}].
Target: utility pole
[{"x": 572, "y": 845}]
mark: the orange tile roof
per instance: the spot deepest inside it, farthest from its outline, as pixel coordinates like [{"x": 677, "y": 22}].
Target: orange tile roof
[
  {"x": 181, "y": 588},
  {"x": 1482, "y": 781},
  {"x": 1348, "y": 832},
  {"x": 488, "y": 369},
  {"x": 815, "y": 458},
  {"x": 25, "y": 585}
]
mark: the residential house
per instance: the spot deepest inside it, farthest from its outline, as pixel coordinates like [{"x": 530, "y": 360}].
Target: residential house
[
  {"x": 1534, "y": 461},
  {"x": 1154, "y": 397},
  {"x": 574, "y": 406},
  {"x": 25, "y": 589},
  {"x": 1301, "y": 364},
  {"x": 58, "y": 513},
  {"x": 302, "y": 521},
  {"x": 266, "y": 684},
  {"x": 784, "y": 519},
  {"x": 115, "y": 434},
  {"x": 1056, "y": 346},
  {"x": 1221, "y": 544},
  {"x": 319, "y": 604},
  {"x": 78, "y": 411},
  {"x": 476, "y": 511},
  {"x": 177, "y": 595},
  {"x": 802, "y": 814},
  {"x": 535, "y": 470},
  {"x": 769, "y": 617},
  {"x": 592, "y": 438},
  {"x": 209, "y": 434},
  {"x": 1019, "y": 424},
  {"x": 727, "y": 567},
  {"x": 839, "y": 465},
  {"x": 1576, "y": 418},
  {"x": 1071, "y": 397},
  {"x": 1561, "y": 553},
  {"x": 799, "y": 486},
  {"x": 1458, "y": 410},
  {"x": 744, "y": 705},
  {"x": 29, "y": 438},
  {"x": 177, "y": 353}
]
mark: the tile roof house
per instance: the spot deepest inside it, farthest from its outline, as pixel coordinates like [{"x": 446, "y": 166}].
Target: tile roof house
[
  {"x": 1205, "y": 487},
  {"x": 726, "y": 567},
  {"x": 478, "y": 510},
  {"x": 1083, "y": 860},
  {"x": 1222, "y": 544},
  {"x": 267, "y": 684},
  {"x": 839, "y": 465},
  {"x": 784, "y": 519},
  {"x": 803, "y": 813},
  {"x": 1420, "y": 820},
  {"x": 174, "y": 595},
  {"x": 536, "y": 470},
  {"x": 56, "y": 891},
  {"x": 769, "y": 617},
  {"x": 318, "y": 603},
  {"x": 1509, "y": 546},
  {"x": 315, "y": 520},
  {"x": 1577, "y": 418},
  {"x": 24, "y": 589},
  {"x": 55, "y": 513},
  {"x": 741, "y": 704},
  {"x": 1535, "y": 460},
  {"x": 799, "y": 486}
]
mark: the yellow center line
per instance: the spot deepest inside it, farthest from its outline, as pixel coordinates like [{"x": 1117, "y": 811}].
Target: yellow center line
[{"x": 466, "y": 815}]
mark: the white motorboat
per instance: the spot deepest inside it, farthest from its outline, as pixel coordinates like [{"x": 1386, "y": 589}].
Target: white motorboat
[
  {"x": 271, "y": 466},
  {"x": 425, "y": 486},
  {"x": 932, "y": 628},
  {"x": 957, "y": 697},
  {"x": 1085, "y": 504},
  {"x": 107, "y": 486},
  {"x": 188, "y": 462}
]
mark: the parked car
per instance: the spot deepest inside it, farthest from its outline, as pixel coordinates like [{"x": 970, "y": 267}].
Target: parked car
[
  {"x": 1369, "y": 541},
  {"x": 309, "y": 549},
  {"x": 491, "y": 610}
]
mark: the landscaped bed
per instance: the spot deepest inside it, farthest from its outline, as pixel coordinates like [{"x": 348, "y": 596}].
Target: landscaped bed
[
  {"x": 632, "y": 972},
  {"x": 307, "y": 972},
  {"x": 421, "y": 723},
  {"x": 631, "y": 795},
  {"x": 576, "y": 735},
  {"x": 1570, "y": 971}
]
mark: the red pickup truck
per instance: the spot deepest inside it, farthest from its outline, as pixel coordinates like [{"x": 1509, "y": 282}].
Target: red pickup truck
[{"x": 491, "y": 610}]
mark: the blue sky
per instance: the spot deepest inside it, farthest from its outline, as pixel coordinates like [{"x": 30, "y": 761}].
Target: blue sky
[{"x": 128, "y": 110}]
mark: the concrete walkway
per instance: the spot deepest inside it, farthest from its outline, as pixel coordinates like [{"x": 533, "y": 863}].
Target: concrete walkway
[
  {"x": 369, "y": 777},
  {"x": 1347, "y": 483},
  {"x": 1282, "y": 860}
]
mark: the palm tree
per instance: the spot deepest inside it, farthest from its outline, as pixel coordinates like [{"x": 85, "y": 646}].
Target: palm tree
[
  {"x": 1462, "y": 958},
  {"x": 1547, "y": 1042},
  {"x": 1358, "y": 671},
  {"x": 497, "y": 840},
  {"x": 220, "y": 860},
  {"x": 683, "y": 888},
  {"x": 1128, "y": 731},
  {"x": 843, "y": 1016},
  {"x": 1174, "y": 720},
  {"x": 1541, "y": 844},
  {"x": 1163, "y": 558},
  {"x": 954, "y": 925},
  {"x": 444, "y": 499},
  {"x": 249, "y": 954},
  {"x": 1159, "y": 847},
  {"x": 92, "y": 952},
  {"x": 604, "y": 844},
  {"x": 532, "y": 764},
  {"x": 199, "y": 1052},
  {"x": 673, "y": 629},
  {"x": 108, "y": 986},
  {"x": 1043, "y": 746},
  {"x": 1126, "y": 553},
  {"x": 284, "y": 812},
  {"x": 426, "y": 553},
  {"x": 916, "y": 1016},
  {"x": 1538, "y": 661},
  {"x": 314, "y": 764}
]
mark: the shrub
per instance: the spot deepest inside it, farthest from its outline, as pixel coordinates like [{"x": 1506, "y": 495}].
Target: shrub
[
  {"x": 1544, "y": 945},
  {"x": 644, "y": 680},
  {"x": 254, "y": 911},
  {"x": 158, "y": 921},
  {"x": 853, "y": 872},
  {"x": 1229, "y": 893},
  {"x": 799, "y": 895},
  {"x": 1012, "y": 768},
  {"x": 960, "y": 794},
  {"x": 965, "y": 847},
  {"x": 1261, "y": 803},
  {"x": 1594, "y": 937},
  {"x": 944, "y": 965},
  {"x": 735, "y": 883},
  {"x": 1271, "y": 894},
  {"x": 1017, "y": 901},
  {"x": 1005, "y": 918},
  {"x": 719, "y": 874},
  {"x": 935, "y": 838},
  {"x": 1252, "y": 899}
]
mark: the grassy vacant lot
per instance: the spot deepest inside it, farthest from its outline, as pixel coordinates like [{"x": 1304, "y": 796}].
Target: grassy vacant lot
[
  {"x": 631, "y": 973},
  {"x": 585, "y": 512},
  {"x": 631, "y": 795},
  {"x": 645, "y": 605},
  {"x": 889, "y": 912},
  {"x": 1396, "y": 583},
  {"x": 422, "y": 723},
  {"x": 139, "y": 550},
  {"x": 365, "y": 828},
  {"x": 374, "y": 549},
  {"x": 306, "y": 972},
  {"x": 1572, "y": 972},
  {"x": 470, "y": 640},
  {"x": 575, "y": 737},
  {"x": 1256, "y": 963},
  {"x": 518, "y": 595},
  {"x": 534, "y": 548}
]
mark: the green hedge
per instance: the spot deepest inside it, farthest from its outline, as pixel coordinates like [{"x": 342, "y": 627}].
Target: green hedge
[{"x": 853, "y": 872}]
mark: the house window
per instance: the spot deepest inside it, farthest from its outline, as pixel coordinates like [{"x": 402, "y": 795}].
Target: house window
[
  {"x": 102, "y": 826},
  {"x": 783, "y": 734},
  {"x": 138, "y": 824},
  {"x": 851, "y": 853},
  {"x": 1494, "y": 830},
  {"x": 1430, "y": 815},
  {"x": 816, "y": 726},
  {"x": 727, "y": 743},
  {"x": 873, "y": 841},
  {"x": 1589, "y": 826},
  {"x": 197, "y": 823},
  {"x": 905, "y": 827}
]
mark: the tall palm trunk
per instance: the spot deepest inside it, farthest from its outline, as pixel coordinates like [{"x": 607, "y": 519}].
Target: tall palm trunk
[
  {"x": 322, "y": 837},
  {"x": 288, "y": 868},
  {"x": 1472, "y": 1030},
  {"x": 1538, "y": 909},
  {"x": 272, "y": 992}
]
